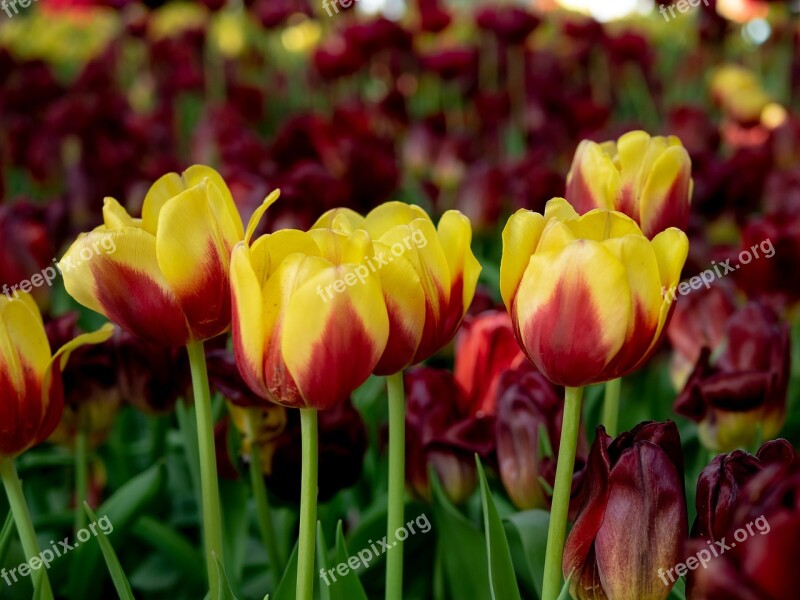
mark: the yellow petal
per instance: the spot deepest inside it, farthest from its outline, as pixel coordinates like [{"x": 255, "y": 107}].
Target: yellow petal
[
  {"x": 259, "y": 213},
  {"x": 520, "y": 238},
  {"x": 116, "y": 217},
  {"x": 391, "y": 214},
  {"x": 165, "y": 188},
  {"x": 455, "y": 233},
  {"x": 23, "y": 343},
  {"x": 343, "y": 219}
]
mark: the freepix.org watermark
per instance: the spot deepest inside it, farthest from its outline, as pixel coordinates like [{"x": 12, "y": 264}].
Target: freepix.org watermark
[
  {"x": 367, "y": 555},
  {"x": 48, "y": 555},
  {"x": 9, "y": 5},
  {"x": 707, "y": 277},
  {"x": 380, "y": 260},
  {"x": 683, "y": 6},
  {"x": 703, "y": 557},
  {"x": 335, "y": 4},
  {"x": 49, "y": 274}
]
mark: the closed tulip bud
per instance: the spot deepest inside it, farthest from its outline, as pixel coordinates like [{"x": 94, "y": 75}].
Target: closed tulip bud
[
  {"x": 164, "y": 277},
  {"x": 485, "y": 348},
  {"x": 762, "y": 540},
  {"x": 742, "y": 395},
  {"x": 440, "y": 435},
  {"x": 31, "y": 388},
  {"x": 309, "y": 322},
  {"x": 633, "y": 519},
  {"x": 647, "y": 178},
  {"x": 530, "y": 412},
  {"x": 428, "y": 275},
  {"x": 586, "y": 293}
]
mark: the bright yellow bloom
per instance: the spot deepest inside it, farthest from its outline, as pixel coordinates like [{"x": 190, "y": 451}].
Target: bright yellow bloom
[
  {"x": 31, "y": 392},
  {"x": 739, "y": 93},
  {"x": 428, "y": 275},
  {"x": 585, "y": 292},
  {"x": 647, "y": 178},
  {"x": 164, "y": 277},
  {"x": 309, "y": 323}
]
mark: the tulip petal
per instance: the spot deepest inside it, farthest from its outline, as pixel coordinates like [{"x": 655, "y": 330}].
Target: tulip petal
[
  {"x": 165, "y": 188},
  {"x": 593, "y": 181},
  {"x": 116, "y": 217},
  {"x": 666, "y": 197},
  {"x": 455, "y": 234},
  {"x": 342, "y": 219},
  {"x": 194, "y": 259},
  {"x": 331, "y": 346},
  {"x": 520, "y": 238},
  {"x": 126, "y": 285},
  {"x": 572, "y": 310},
  {"x": 391, "y": 214},
  {"x": 646, "y": 499},
  {"x": 221, "y": 200}
]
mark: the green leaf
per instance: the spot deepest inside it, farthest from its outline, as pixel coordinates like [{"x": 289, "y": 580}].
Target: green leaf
[
  {"x": 464, "y": 559},
  {"x": 348, "y": 587},
  {"x": 127, "y": 504},
  {"x": 288, "y": 585},
  {"x": 182, "y": 554},
  {"x": 502, "y": 578},
  {"x": 112, "y": 562},
  {"x": 322, "y": 563},
  {"x": 5, "y": 536},
  {"x": 224, "y": 591},
  {"x": 527, "y": 536},
  {"x": 564, "y": 595}
]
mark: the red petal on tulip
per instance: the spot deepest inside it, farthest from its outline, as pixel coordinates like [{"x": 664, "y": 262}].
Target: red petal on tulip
[
  {"x": 400, "y": 347},
  {"x": 138, "y": 304},
  {"x": 55, "y": 404},
  {"x": 281, "y": 387},
  {"x": 207, "y": 304},
  {"x": 674, "y": 210},
  {"x": 637, "y": 348},
  {"x": 20, "y": 412}
]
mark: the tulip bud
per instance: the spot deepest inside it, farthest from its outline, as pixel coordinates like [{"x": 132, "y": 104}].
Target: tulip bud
[
  {"x": 585, "y": 292},
  {"x": 633, "y": 519},
  {"x": 439, "y": 434},
  {"x": 31, "y": 388},
  {"x": 742, "y": 395},
  {"x": 647, "y": 178},
  {"x": 530, "y": 411},
  {"x": 485, "y": 348}
]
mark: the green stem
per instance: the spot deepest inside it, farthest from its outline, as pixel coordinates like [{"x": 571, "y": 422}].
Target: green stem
[
  {"x": 81, "y": 470},
  {"x": 264, "y": 512},
  {"x": 212, "y": 521},
  {"x": 22, "y": 517},
  {"x": 308, "y": 504},
  {"x": 397, "y": 485},
  {"x": 557, "y": 530},
  {"x": 611, "y": 406}
]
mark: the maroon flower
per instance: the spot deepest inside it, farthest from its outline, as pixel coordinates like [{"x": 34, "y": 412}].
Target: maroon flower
[{"x": 511, "y": 24}]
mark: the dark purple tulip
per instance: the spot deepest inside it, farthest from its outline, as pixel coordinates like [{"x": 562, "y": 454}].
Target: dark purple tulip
[
  {"x": 742, "y": 396},
  {"x": 510, "y": 24},
  {"x": 633, "y": 518}
]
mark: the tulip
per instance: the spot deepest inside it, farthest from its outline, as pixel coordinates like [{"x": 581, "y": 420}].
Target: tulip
[
  {"x": 530, "y": 412},
  {"x": 739, "y": 93},
  {"x": 741, "y": 397},
  {"x": 633, "y": 519},
  {"x": 441, "y": 434},
  {"x": 647, "y": 178},
  {"x": 763, "y": 538},
  {"x": 32, "y": 398},
  {"x": 584, "y": 292},
  {"x": 485, "y": 348}
]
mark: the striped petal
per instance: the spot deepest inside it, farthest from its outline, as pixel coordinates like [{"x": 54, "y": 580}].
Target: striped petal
[
  {"x": 126, "y": 285},
  {"x": 667, "y": 193},
  {"x": 594, "y": 180},
  {"x": 520, "y": 238},
  {"x": 572, "y": 310}
]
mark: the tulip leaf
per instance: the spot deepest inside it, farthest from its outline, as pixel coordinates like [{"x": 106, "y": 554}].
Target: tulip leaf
[
  {"x": 182, "y": 554},
  {"x": 527, "y": 536},
  {"x": 112, "y": 562},
  {"x": 464, "y": 562},
  {"x": 348, "y": 587},
  {"x": 564, "y": 595},
  {"x": 224, "y": 591},
  {"x": 502, "y": 579},
  {"x": 288, "y": 584},
  {"x": 122, "y": 509},
  {"x": 323, "y": 564},
  {"x": 5, "y": 535}
]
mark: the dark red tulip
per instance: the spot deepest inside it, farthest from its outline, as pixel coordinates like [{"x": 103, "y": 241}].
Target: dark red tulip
[
  {"x": 742, "y": 395},
  {"x": 438, "y": 433},
  {"x": 762, "y": 540},
  {"x": 528, "y": 408},
  {"x": 433, "y": 16},
  {"x": 633, "y": 519},
  {"x": 485, "y": 348},
  {"x": 510, "y": 24}
]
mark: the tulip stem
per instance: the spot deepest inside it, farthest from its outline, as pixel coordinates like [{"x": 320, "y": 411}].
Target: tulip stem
[
  {"x": 562, "y": 490},
  {"x": 308, "y": 504},
  {"x": 397, "y": 485},
  {"x": 212, "y": 520},
  {"x": 611, "y": 406},
  {"x": 22, "y": 518},
  {"x": 81, "y": 470},
  {"x": 264, "y": 512}
]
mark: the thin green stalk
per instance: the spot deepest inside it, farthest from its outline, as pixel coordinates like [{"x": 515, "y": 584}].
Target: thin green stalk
[
  {"x": 22, "y": 517},
  {"x": 611, "y": 406},
  {"x": 264, "y": 513},
  {"x": 308, "y": 504},
  {"x": 81, "y": 470},
  {"x": 557, "y": 530},
  {"x": 397, "y": 485},
  {"x": 212, "y": 519}
]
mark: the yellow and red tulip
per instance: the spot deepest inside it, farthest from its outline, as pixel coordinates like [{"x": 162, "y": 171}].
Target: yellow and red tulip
[
  {"x": 31, "y": 389},
  {"x": 428, "y": 275},
  {"x": 585, "y": 292},
  {"x": 164, "y": 277},
  {"x": 309, "y": 323},
  {"x": 647, "y": 178}
]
